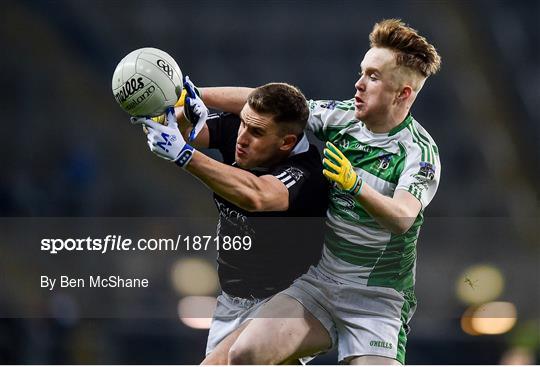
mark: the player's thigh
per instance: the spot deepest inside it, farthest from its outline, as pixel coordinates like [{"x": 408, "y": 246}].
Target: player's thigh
[
  {"x": 373, "y": 360},
  {"x": 220, "y": 354},
  {"x": 282, "y": 330}
]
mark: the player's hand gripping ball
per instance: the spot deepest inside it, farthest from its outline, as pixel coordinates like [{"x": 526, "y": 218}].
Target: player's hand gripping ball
[
  {"x": 166, "y": 141},
  {"x": 195, "y": 110},
  {"x": 146, "y": 82}
]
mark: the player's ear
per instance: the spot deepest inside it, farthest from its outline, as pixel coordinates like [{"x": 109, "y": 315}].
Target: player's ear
[
  {"x": 289, "y": 141},
  {"x": 404, "y": 93}
]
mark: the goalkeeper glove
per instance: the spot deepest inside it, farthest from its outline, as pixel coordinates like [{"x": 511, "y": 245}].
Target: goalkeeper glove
[
  {"x": 166, "y": 141},
  {"x": 340, "y": 170},
  {"x": 194, "y": 109}
]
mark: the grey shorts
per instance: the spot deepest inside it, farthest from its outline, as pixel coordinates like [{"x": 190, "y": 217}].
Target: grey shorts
[
  {"x": 230, "y": 313},
  {"x": 361, "y": 320}
]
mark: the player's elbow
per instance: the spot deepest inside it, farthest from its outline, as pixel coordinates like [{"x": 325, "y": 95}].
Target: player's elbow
[
  {"x": 398, "y": 230},
  {"x": 252, "y": 205},
  {"x": 402, "y": 219},
  {"x": 259, "y": 202},
  {"x": 251, "y": 202},
  {"x": 400, "y": 226}
]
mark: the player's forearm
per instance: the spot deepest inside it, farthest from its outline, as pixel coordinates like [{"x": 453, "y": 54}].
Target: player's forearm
[
  {"x": 228, "y": 99},
  {"x": 387, "y": 211},
  {"x": 240, "y": 187}
]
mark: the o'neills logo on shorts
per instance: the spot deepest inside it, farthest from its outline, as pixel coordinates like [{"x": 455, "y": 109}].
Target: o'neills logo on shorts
[{"x": 380, "y": 344}]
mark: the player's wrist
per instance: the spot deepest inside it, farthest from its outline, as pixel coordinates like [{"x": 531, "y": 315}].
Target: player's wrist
[
  {"x": 356, "y": 189},
  {"x": 185, "y": 156}
]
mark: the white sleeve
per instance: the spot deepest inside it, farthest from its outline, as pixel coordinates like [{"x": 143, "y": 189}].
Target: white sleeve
[
  {"x": 325, "y": 112},
  {"x": 420, "y": 178}
]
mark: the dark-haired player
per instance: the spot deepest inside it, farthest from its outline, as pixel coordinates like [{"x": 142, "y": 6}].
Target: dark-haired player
[{"x": 270, "y": 175}]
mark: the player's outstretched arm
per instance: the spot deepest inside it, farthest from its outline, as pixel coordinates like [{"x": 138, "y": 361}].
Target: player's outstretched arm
[
  {"x": 240, "y": 187},
  {"x": 227, "y": 99},
  {"x": 192, "y": 104},
  {"x": 397, "y": 213}
]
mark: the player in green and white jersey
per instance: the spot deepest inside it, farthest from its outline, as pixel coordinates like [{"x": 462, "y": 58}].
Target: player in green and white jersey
[
  {"x": 359, "y": 247},
  {"x": 385, "y": 170}
]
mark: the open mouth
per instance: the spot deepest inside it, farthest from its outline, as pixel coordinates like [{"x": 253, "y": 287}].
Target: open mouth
[
  {"x": 358, "y": 102},
  {"x": 240, "y": 152}
]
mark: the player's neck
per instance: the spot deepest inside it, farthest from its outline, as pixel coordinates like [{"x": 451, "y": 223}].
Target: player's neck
[
  {"x": 276, "y": 159},
  {"x": 385, "y": 125}
]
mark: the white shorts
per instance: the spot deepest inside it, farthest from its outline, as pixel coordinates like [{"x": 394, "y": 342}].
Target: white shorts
[
  {"x": 230, "y": 313},
  {"x": 361, "y": 320}
]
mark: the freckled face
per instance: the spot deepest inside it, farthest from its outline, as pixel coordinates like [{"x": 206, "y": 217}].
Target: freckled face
[{"x": 376, "y": 89}]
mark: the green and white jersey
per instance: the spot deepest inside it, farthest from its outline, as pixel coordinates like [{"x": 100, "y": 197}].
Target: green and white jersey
[{"x": 358, "y": 249}]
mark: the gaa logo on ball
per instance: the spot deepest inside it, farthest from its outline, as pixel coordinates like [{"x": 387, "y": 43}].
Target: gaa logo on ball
[
  {"x": 146, "y": 82},
  {"x": 165, "y": 67}
]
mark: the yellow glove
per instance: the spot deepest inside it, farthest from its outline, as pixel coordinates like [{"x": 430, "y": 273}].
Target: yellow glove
[{"x": 340, "y": 170}]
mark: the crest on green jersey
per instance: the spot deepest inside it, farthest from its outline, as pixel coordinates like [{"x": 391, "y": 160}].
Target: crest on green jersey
[
  {"x": 384, "y": 161},
  {"x": 427, "y": 171}
]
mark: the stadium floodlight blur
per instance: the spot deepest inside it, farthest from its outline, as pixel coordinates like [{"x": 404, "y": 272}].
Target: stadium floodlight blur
[
  {"x": 480, "y": 283},
  {"x": 194, "y": 276},
  {"x": 196, "y": 312},
  {"x": 490, "y": 318}
]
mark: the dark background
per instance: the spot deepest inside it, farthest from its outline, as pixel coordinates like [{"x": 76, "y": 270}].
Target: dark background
[{"x": 67, "y": 149}]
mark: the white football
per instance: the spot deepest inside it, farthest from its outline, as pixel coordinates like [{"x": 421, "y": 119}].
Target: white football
[{"x": 146, "y": 82}]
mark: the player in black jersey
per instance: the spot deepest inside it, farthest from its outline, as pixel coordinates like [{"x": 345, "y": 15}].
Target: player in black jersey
[{"x": 269, "y": 179}]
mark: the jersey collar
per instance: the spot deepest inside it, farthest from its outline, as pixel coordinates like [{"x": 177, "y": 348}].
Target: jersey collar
[
  {"x": 402, "y": 125},
  {"x": 300, "y": 147}
]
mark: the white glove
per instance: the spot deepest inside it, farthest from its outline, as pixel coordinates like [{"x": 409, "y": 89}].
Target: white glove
[
  {"x": 195, "y": 110},
  {"x": 166, "y": 141}
]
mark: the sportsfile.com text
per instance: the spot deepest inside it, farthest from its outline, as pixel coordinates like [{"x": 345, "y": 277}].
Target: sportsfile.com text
[{"x": 120, "y": 243}]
